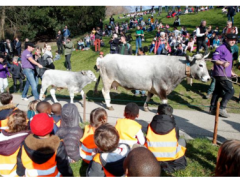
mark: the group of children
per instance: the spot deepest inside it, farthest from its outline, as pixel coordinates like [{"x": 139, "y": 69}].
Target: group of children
[{"x": 48, "y": 138}]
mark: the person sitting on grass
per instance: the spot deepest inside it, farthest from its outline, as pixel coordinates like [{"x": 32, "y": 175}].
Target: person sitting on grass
[
  {"x": 137, "y": 166},
  {"x": 189, "y": 46},
  {"x": 42, "y": 154},
  {"x": 228, "y": 159},
  {"x": 152, "y": 47},
  {"x": 10, "y": 142},
  {"x": 129, "y": 130},
  {"x": 57, "y": 56},
  {"x": 80, "y": 45},
  {"x": 164, "y": 142},
  {"x": 7, "y": 108},
  {"x": 88, "y": 147},
  {"x": 110, "y": 157}
]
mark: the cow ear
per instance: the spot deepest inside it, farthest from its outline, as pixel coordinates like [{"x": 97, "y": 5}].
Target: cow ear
[
  {"x": 83, "y": 72},
  {"x": 189, "y": 58},
  {"x": 204, "y": 57}
]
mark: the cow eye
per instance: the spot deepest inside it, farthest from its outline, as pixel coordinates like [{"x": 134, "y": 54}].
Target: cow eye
[{"x": 200, "y": 65}]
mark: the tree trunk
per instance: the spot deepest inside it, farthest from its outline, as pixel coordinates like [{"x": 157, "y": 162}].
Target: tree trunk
[
  {"x": 2, "y": 30},
  {"x": 141, "y": 8}
]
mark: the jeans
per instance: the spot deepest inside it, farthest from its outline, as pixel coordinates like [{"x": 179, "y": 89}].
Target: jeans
[
  {"x": 31, "y": 80},
  {"x": 138, "y": 43},
  {"x": 142, "y": 92},
  {"x": 88, "y": 44},
  {"x": 202, "y": 43},
  {"x": 151, "y": 50},
  {"x": 3, "y": 84},
  {"x": 160, "y": 48},
  {"x": 222, "y": 84},
  {"x": 232, "y": 18},
  {"x": 68, "y": 62}
]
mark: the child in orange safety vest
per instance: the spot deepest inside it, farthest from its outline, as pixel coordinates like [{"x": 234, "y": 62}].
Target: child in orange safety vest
[
  {"x": 98, "y": 117},
  {"x": 163, "y": 141},
  {"x": 42, "y": 154},
  {"x": 109, "y": 159},
  {"x": 129, "y": 130}
]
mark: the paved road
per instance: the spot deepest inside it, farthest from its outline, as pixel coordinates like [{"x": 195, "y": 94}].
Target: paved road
[{"x": 191, "y": 123}]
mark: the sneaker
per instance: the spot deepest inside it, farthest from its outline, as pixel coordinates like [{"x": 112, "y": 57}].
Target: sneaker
[
  {"x": 25, "y": 99},
  {"x": 208, "y": 96},
  {"x": 223, "y": 113}
]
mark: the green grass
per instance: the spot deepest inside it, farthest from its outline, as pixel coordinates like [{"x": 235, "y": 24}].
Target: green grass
[
  {"x": 201, "y": 158},
  {"x": 182, "y": 96}
]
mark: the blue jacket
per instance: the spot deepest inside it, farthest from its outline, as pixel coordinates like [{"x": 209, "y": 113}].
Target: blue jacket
[{"x": 66, "y": 32}]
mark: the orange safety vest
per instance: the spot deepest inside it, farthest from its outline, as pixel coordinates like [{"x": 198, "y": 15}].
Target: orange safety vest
[
  {"x": 97, "y": 159},
  {"x": 47, "y": 169},
  {"x": 87, "y": 144},
  {"x": 164, "y": 147},
  {"x": 8, "y": 165},
  {"x": 127, "y": 130},
  {"x": 3, "y": 123}
]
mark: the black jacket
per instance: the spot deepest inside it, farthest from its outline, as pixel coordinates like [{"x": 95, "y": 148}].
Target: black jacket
[
  {"x": 16, "y": 71},
  {"x": 70, "y": 131},
  {"x": 231, "y": 10},
  {"x": 41, "y": 150},
  {"x": 59, "y": 39},
  {"x": 98, "y": 34},
  {"x": 114, "y": 44}
]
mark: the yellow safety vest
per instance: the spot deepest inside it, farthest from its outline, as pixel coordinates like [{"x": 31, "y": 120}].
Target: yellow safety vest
[
  {"x": 8, "y": 165},
  {"x": 87, "y": 144},
  {"x": 4, "y": 122},
  {"x": 47, "y": 169},
  {"x": 127, "y": 130},
  {"x": 164, "y": 147},
  {"x": 98, "y": 160}
]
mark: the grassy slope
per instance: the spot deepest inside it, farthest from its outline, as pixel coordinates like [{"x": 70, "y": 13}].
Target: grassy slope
[{"x": 182, "y": 95}]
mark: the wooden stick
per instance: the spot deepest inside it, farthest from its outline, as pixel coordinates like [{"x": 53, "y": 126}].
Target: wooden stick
[
  {"x": 216, "y": 124},
  {"x": 84, "y": 108}
]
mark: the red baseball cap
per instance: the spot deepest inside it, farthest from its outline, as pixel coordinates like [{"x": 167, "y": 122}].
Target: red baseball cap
[{"x": 41, "y": 124}]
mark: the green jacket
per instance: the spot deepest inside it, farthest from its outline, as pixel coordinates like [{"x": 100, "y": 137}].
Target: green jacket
[{"x": 68, "y": 48}]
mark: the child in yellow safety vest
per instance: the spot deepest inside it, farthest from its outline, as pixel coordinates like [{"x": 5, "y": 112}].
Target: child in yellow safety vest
[
  {"x": 10, "y": 142},
  {"x": 98, "y": 117},
  {"x": 130, "y": 131},
  {"x": 111, "y": 154},
  {"x": 42, "y": 154},
  {"x": 7, "y": 108},
  {"x": 163, "y": 140}
]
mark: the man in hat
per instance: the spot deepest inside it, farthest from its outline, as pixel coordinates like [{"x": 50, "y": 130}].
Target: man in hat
[
  {"x": 41, "y": 153},
  {"x": 222, "y": 72},
  {"x": 28, "y": 65}
]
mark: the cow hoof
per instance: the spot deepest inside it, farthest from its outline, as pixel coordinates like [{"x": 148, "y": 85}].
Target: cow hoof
[
  {"x": 110, "y": 108},
  {"x": 146, "y": 109}
]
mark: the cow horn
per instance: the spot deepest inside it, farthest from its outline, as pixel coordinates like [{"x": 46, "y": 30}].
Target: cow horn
[
  {"x": 83, "y": 72},
  {"x": 204, "y": 57},
  {"x": 189, "y": 58}
]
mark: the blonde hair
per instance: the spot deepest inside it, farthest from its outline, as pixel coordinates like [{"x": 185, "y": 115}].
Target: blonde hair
[{"x": 32, "y": 105}]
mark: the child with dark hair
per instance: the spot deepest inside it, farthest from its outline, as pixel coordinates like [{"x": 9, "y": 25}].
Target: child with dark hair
[
  {"x": 44, "y": 107},
  {"x": 6, "y": 108},
  {"x": 137, "y": 166},
  {"x": 163, "y": 140},
  {"x": 109, "y": 160},
  {"x": 42, "y": 154},
  {"x": 56, "y": 113},
  {"x": 98, "y": 117},
  {"x": 129, "y": 130},
  {"x": 228, "y": 160},
  {"x": 10, "y": 142}
]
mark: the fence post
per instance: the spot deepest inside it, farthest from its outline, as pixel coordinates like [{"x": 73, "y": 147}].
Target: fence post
[
  {"x": 216, "y": 124},
  {"x": 84, "y": 108}
]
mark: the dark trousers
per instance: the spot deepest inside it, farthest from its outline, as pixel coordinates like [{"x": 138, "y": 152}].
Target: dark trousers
[
  {"x": 202, "y": 43},
  {"x": 60, "y": 48},
  {"x": 222, "y": 84},
  {"x": 68, "y": 62},
  {"x": 15, "y": 84}
]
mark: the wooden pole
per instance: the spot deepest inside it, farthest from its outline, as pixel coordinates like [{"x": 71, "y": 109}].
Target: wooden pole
[
  {"x": 84, "y": 108},
  {"x": 216, "y": 124}
]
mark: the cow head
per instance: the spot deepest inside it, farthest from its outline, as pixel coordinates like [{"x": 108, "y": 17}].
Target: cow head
[
  {"x": 198, "y": 67},
  {"x": 89, "y": 74}
]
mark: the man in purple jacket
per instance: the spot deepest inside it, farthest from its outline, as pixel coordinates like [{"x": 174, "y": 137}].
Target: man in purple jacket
[{"x": 222, "y": 72}]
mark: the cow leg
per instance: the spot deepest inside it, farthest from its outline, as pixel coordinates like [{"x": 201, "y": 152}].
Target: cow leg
[
  {"x": 52, "y": 92},
  {"x": 149, "y": 96},
  {"x": 106, "y": 95},
  {"x": 71, "y": 96},
  {"x": 42, "y": 91},
  {"x": 82, "y": 93},
  {"x": 163, "y": 96}
]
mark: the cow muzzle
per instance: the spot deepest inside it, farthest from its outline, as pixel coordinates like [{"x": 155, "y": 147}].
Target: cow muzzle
[
  {"x": 205, "y": 78},
  {"x": 95, "y": 79}
]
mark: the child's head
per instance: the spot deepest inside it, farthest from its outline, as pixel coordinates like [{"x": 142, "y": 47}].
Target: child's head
[
  {"x": 137, "y": 166},
  {"x": 228, "y": 160},
  {"x": 15, "y": 59},
  {"x": 131, "y": 111},
  {"x": 165, "y": 109},
  {"x": 98, "y": 117},
  {"x": 106, "y": 138},
  {"x": 56, "y": 52},
  {"x": 41, "y": 124},
  {"x": 44, "y": 107},
  {"x": 216, "y": 37},
  {"x": 57, "y": 108},
  {"x": 17, "y": 121},
  {"x": 153, "y": 42},
  {"x": 33, "y": 104},
  {"x": 6, "y": 98}
]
